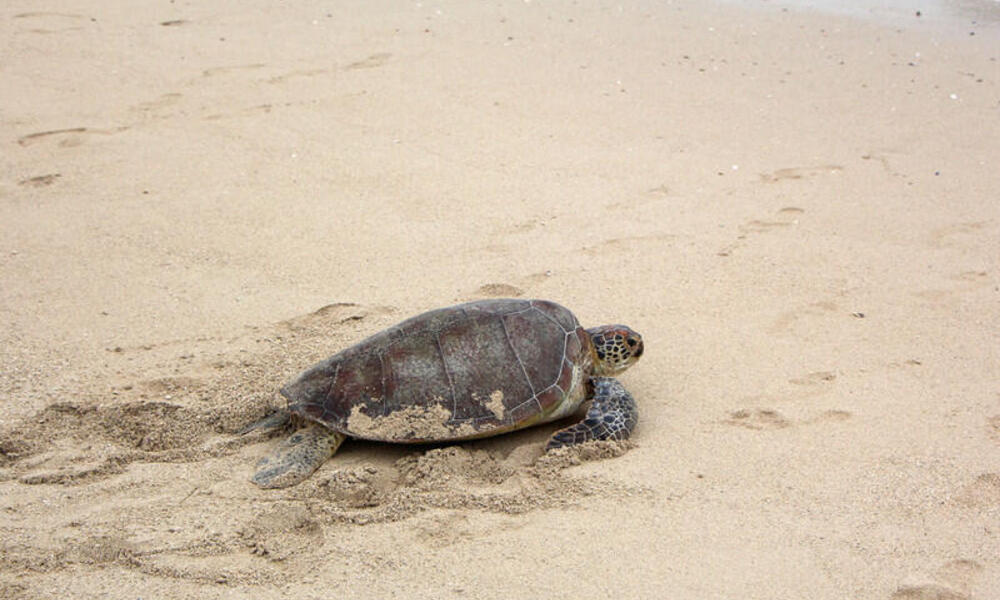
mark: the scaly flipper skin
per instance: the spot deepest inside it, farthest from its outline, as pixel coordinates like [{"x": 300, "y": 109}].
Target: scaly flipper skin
[
  {"x": 297, "y": 457},
  {"x": 612, "y": 416},
  {"x": 272, "y": 421}
]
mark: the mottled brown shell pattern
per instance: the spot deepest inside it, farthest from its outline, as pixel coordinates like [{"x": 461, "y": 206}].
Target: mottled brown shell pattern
[{"x": 465, "y": 371}]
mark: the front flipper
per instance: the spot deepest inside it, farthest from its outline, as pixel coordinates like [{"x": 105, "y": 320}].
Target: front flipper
[
  {"x": 297, "y": 457},
  {"x": 612, "y": 416}
]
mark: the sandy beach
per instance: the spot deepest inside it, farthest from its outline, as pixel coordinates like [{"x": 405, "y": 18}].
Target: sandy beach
[{"x": 798, "y": 211}]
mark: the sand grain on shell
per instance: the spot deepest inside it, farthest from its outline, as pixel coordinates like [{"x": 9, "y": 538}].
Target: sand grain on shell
[
  {"x": 495, "y": 405},
  {"x": 411, "y": 423}
]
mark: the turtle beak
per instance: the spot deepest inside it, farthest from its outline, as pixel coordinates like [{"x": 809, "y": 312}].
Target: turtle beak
[{"x": 635, "y": 345}]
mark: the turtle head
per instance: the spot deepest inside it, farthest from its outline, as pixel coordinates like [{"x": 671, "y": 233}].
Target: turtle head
[{"x": 616, "y": 348}]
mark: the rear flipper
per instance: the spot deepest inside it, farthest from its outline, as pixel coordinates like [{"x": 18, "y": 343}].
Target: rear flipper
[
  {"x": 612, "y": 416},
  {"x": 297, "y": 457},
  {"x": 272, "y": 421}
]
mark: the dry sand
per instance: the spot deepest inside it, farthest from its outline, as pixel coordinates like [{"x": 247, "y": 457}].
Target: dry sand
[{"x": 799, "y": 212}]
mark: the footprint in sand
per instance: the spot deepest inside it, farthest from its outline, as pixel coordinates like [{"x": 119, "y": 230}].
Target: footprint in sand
[
  {"x": 830, "y": 415},
  {"x": 811, "y": 385},
  {"x": 216, "y": 71},
  {"x": 653, "y": 194},
  {"x": 993, "y": 427},
  {"x": 815, "y": 378},
  {"x": 51, "y": 22},
  {"x": 800, "y": 173},
  {"x": 786, "y": 217},
  {"x": 956, "y": 235},
  {"x": 246, "y": 111},
  {"x": 529, "y": 280},
  {"x": 294, "y": 74},
  {"x": 163, "y": 101},
  {"x": 67, "y": 138},
  {"x": 966, "y": 281},
  {"x": 507, "y": 290},
  {"x": 31, "y": 138},
  {"x": 40, "y": 180},
  {"x": 441, "y": 530},
  {"x": 335, "y": 314},
  {"x": 768, "y": 419},
  {"x": 523, "y": 226},
  {"x": 954, "y": 580},
  {"x": 627, "y": 243},
  {"x": 788, "y": 320},
  {"x": 883, "y": 160},
  {"x": 983, "y": 492},
  {"x": 757, "y": 418},
  {"x": 498, "y": 290},
  {"x": 119, "y": 434},
  {"x": 971, "y": 276},
  {"x": 47, "y": 15},
  {"x": 375, "y": 60},
  {"x": 791, "y": 210},
  {"x": 281, "y": 531}
]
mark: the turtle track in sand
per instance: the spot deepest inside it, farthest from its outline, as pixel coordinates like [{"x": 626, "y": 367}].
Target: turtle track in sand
[
  {"x": 192, "y": 414},
  {"x": 150, "y": 475}
]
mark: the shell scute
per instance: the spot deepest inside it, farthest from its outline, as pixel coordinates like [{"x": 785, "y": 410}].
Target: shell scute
[
  {"x": 360, "y": 383},
  {"x": 574, "y": 344},
  {"x": 539, "y": 344},
  {"x": 524, "y": 412},
  {"x": 550, "y": 397},
  {"x": 565, "y": 381},
  {"x": 557, "y": 313},
  {"x": 411, "y": 369},
  {"x": 480, "y": 363}
]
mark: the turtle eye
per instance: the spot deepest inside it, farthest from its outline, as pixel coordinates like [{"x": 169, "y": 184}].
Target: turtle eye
[{"x": 632, "y": 342}]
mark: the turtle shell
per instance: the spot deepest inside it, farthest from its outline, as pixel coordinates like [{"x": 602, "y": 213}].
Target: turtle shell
[{"x": 466, "y": 371}]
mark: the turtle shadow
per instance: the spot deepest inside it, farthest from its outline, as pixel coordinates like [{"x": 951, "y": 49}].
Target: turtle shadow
[{"x": 356, "y": 452}]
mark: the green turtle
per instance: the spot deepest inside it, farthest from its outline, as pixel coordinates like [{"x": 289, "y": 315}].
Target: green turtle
[{"x": 467, "y": 371}]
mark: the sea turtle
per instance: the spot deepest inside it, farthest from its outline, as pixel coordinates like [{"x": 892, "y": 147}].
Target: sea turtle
[{"x": 467, "y": 371}]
